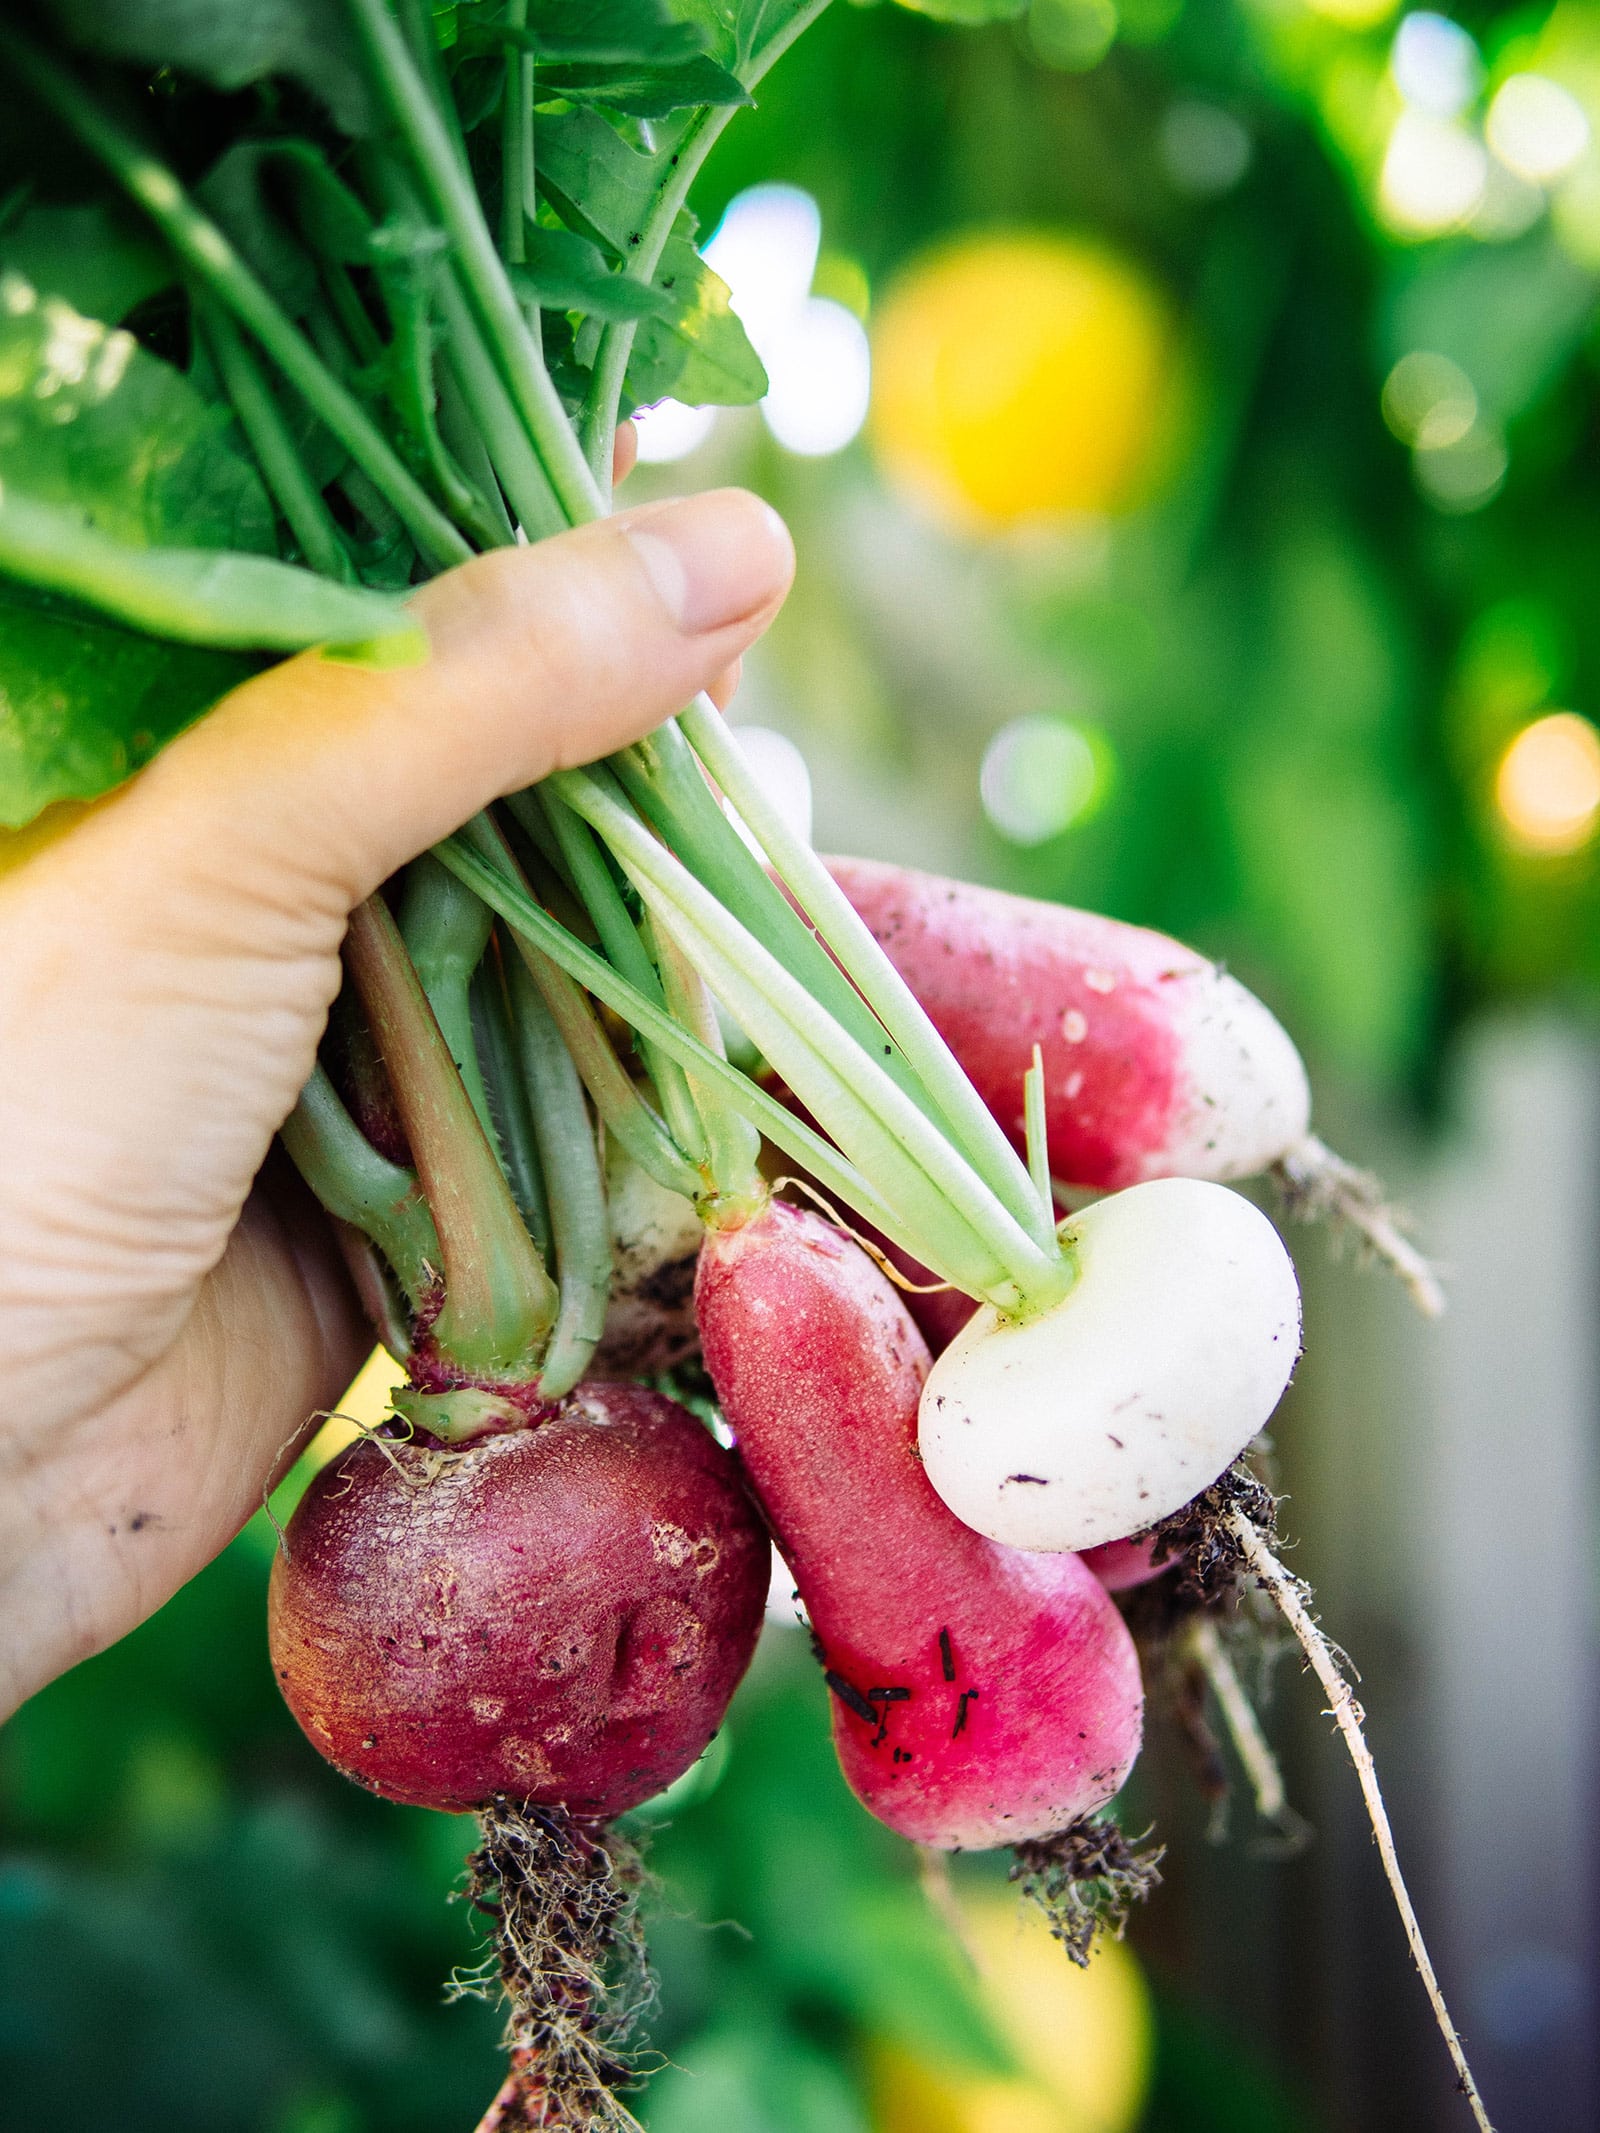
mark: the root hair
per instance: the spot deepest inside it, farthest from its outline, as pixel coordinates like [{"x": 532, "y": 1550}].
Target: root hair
[
  {"x": 1293, "y": 1600},
  {"x": 1086, "y": 1879},
  {"x": 568, "y": 1958},
  {"x": 1318, "y": 1185}
]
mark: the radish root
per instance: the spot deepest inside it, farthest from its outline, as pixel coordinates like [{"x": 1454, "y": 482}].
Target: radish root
[
  {"x": 568, "y": 1959},
  {"x": 1318, "y": 1184},
  {"x": 1290, "y": 1596},
  {"x": 1086, "y": 1879},
  {"x": 1238, "y": 1715}
]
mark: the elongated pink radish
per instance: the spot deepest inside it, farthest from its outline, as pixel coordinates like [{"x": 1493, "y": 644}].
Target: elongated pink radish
[
  {"x": 1157, "y": 1063},
  {"x": 979, "y": 1696},
  {"x": 1122, "y": 1402},
  {"x": 554, "y": 1615}
]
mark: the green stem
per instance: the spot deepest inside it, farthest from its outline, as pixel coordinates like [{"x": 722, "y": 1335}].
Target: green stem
[
  {"x": 516, "y": 140},
  {"x": 212, "y": 260},
  {"x": 732, "y": 1144},
  {"x": 447, "y": 185},
  {"x": 360, "y": 1187},
  {"x": 539, "y": 931},
  {"x": 571, "y": 1163},
  {"x": 619, "y": 936},
  {"x": 508, "y": 1095},
  {"x": 666, "y": 784},
  {"x": 1037, "y": 1135},
  {"x": 446, "y": 929},
  {"x": 880, "y": 984},
  {"x": 627, "y": 1117},
  {"x": 293, "y": 491},
  {"x": 598, "y": 421},
  {"x": 499, "y": 1302},
  {"x": 514, "y": 460},
  {"x": 870, "y": 1116}
]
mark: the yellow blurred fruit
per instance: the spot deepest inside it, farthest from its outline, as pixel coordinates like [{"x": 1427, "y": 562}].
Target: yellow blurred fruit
[
  {"x": 1021, "y": 375},
  {"x": 1081, "y": 2040}
]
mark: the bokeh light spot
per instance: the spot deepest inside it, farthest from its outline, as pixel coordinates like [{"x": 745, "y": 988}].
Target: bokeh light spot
[
  {"x": 818, "y": 359},
  {"x": 1547, "y": 788},
  {"x": 1433, "y": 174},
  {"x": 1429, "y": 401},
  {"x": 1435, "y": 64},
  {"x": 1041, "y": 776},
  {"x": 1536, "y": 128},
  {"x": 670, "y": 431},
  {"x": 1205, "y": 151}
]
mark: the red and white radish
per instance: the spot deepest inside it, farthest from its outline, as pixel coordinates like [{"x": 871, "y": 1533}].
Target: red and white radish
[
  {"x": 655, "y": 1239},
  {"x": 556, "y": 1614},
  {"x": 1122, "y": 1402},
  {"x": 979, "y": 1696},
  {"x": 1157, "y": 1062}
]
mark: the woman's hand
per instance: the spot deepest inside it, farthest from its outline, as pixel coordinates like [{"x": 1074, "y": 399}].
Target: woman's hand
[{"x": 172, "y": 1312}]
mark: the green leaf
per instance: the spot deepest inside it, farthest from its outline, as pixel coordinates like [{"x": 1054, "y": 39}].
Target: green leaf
[
  {"x": 738, "y": 29},
  {"x": 702, "y": 354},
  {"x": 646, "y": 91},
  {"x": 83, "y": 702},
  {"x": 232, "y": 43},
  {"x": 967, "y": 13},
  {"x": 568, "y": 273},
  {"x": 197, "y": 595},
  {"x": 90, "y": 419},
  {"x": 629, "y": 31},
  {"x": 100, "y": 258},
  {"x": 597, "y": 183}
]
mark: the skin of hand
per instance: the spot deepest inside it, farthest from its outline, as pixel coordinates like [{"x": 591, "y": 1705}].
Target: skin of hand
[{"x": 173, "y": 1310}]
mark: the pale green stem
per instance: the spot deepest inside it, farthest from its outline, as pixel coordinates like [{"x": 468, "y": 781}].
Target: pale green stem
[
  {"x": 446, "y": 929},
  {"x": 570, "y": 1161},
  {"x": 732, "y": 1144},
  {"x": 1037, "y": 1136},
  {"x": 362, "y": 1188},
  {"x": 534, "y": 926},
  {"x": 881, "y": 985},
  {"x": 870, "y": 1116}
]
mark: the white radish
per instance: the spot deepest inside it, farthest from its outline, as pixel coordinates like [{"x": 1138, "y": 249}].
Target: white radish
[{"x": 1119, "y": 1405}]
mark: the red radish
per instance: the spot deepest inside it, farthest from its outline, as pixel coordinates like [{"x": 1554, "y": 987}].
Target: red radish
[
  {"x": 1122, "y": 1564},
  {"x": 980, "y": 1697},
  {"x": 556, "y": 1614},
  {"x": 1157, "y": 1063},
  {"x": 1122, "y": 1402}
]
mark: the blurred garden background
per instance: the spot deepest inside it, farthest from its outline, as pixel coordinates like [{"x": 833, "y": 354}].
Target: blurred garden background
[{"x": 1187, "y": 414}]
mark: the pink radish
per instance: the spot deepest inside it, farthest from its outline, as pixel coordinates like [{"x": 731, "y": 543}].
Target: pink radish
[
  {"x": 1122, "y": 1564},
  {"x": 979, "y": 1696},
  {"x": 556, "y": 1614},
  {"x": 1157, "y": 1063}
]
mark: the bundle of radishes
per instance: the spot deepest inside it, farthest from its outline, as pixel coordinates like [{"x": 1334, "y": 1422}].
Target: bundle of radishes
[{"x": 430, "y": 254}]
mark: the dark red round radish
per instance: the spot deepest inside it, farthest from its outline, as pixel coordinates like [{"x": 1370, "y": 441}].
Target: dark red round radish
[
  {"x": 979, "y": 1696},
  {"x": 556, "y": 1614},
  {"x": 1157, "y": 1063}
]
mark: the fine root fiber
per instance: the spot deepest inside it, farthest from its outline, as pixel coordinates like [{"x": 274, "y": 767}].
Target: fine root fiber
[
  {"x": 568, "y": 1957},
  {"x": 1086, "y": 1879},
  {"x": 1318, "y": 1185}
]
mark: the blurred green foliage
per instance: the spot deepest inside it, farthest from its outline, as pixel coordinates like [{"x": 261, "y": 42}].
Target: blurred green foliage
[{"x": 1305, "y": 655}]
